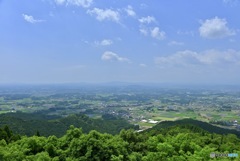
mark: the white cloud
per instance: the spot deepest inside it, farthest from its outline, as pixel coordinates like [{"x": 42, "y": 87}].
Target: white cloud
[
  {"x": 180, "y": 58},
  {"x": 106, "y": 14},
  {"x": 210, "y": 58},
  {"x": 111, "y": 56},
  {"x": 146, "y": 30},
  {"x": 30, "y": 19},
  {"x": 156, "y": 33},
  {"x": 104, "y": 42},
  {"x": 147, "y": 20},
  {"x": 130, "y": 11},
  {"x": 215, "y": 28},
  {"x": 143, "y": 31},
  {"x": 214, "y": 57},
  {"x": 175, "y": 43},
  {"x": 82, "y": 3}
]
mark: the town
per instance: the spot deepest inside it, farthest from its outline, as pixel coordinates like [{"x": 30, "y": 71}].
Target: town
[{"x": 144, "y": 106}]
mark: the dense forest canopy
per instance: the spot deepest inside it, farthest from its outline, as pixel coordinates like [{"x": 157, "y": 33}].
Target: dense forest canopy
[{"x": 178, "y": 142}]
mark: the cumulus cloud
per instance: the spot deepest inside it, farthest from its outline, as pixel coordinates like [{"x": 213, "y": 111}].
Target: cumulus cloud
[
  {"x": 104, "y": 42},
  {"x": 106, "y": 14},
  {"x": 82, "y": 3},
  {"x": 207, "y": 58},
  {"x": 30, "y": 19},
  {"x": 153, "y": 32},
  {"x": 156, "y": 33},
  {"x": 147, "y": 20},
  {"x": 111, "y": 56},
  {"x": 215, "y": 28},
  {"x": 147, "y": 30},
  {"x": 130, "y": 11}
]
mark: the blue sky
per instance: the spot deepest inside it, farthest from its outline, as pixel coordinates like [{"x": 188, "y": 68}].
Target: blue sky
[{"x": 160, "y": 41}]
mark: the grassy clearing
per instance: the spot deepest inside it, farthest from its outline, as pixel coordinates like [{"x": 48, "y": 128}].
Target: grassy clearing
[
  {"x": 1, "y": 112},
  {"x": 160, "y": 118}
]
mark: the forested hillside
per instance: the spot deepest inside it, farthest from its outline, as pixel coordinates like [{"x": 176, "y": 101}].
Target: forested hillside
[
  {"x": 31, "y": 123},
  {"x": 176, "y": 143},
  {"x": 195, "y": 125}
]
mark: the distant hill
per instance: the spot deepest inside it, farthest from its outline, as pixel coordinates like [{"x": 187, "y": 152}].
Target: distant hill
[
  {"x": 29, "y": 124},
  {"x": 193, "y": 125}
]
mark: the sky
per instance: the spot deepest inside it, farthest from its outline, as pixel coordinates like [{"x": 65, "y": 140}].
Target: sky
[{"x": 159, "y": 41}]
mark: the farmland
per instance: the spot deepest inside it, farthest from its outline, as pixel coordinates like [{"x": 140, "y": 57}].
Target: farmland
[{"x": 138, "y": 104}]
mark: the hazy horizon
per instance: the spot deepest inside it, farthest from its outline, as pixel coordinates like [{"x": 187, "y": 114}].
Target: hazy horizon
[{"x": 92, "y": 41}]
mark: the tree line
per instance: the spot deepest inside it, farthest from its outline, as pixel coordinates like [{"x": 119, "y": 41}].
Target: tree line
[{"x": 175, "y": 143}]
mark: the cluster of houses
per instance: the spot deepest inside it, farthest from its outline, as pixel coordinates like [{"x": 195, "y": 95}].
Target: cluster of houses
[{"x": 233, "y": 123}]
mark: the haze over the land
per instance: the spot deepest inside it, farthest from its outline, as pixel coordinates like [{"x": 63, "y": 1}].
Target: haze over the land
[{"x": 59, "y": 41}]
